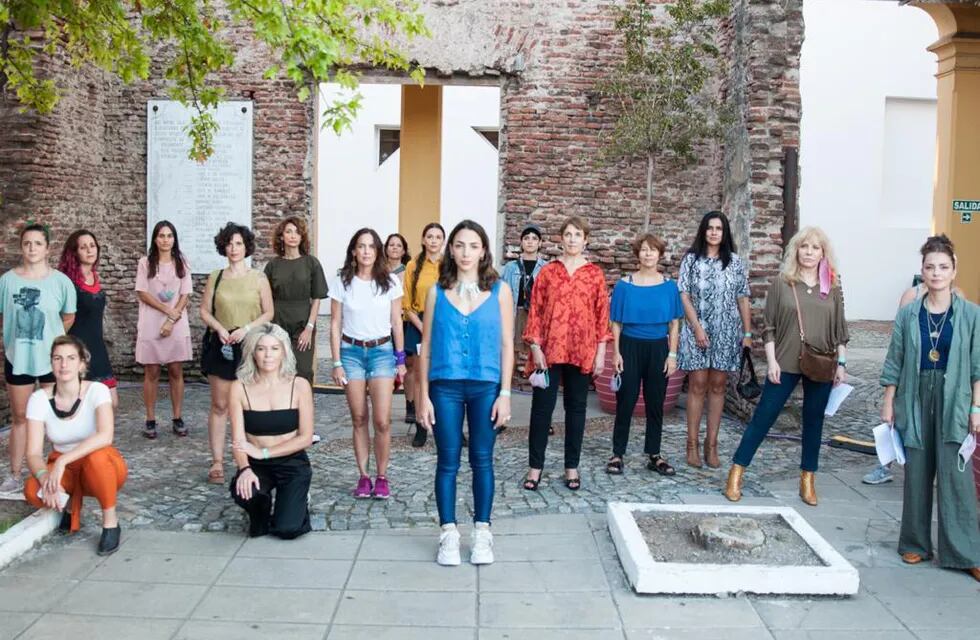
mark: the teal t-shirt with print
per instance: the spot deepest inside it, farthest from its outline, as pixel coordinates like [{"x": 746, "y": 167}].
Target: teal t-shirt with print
[{"x": 32, "y": 319}]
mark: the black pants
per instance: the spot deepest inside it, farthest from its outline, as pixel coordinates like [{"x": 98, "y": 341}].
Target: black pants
[
  {"x": 543, "y": 402},
  {"x": 643, "y": 362},
  {"x": 290, "y": 477}
]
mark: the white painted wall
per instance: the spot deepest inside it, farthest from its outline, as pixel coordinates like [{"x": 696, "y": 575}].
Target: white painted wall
[
  {"x": 469, "y": 162},
  {"x": 352, "y": 190},
  {"x": 867, "y": 148}
]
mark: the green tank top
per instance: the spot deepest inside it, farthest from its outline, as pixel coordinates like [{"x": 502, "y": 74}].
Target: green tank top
[{"x": 237, "y": 302}]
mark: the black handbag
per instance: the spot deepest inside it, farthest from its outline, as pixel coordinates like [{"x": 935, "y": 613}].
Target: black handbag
[
  {"x": 209, "y": 341},
  {"x": 747, "y": 385}
]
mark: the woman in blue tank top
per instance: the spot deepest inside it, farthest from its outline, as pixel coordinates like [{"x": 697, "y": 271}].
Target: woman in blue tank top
[{"x": 466, "y": 365}]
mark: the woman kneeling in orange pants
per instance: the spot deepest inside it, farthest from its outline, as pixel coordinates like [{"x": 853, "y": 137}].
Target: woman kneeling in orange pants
[{"x": 76, "y": 416}]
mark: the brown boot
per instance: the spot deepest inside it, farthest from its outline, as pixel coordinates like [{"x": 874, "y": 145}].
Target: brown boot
[
  {"x": 808, "y": 490},
  {"x": 693, "y": 454},
  {"x": 711, "y": 449},
  {"x": 733, "y": 490}
]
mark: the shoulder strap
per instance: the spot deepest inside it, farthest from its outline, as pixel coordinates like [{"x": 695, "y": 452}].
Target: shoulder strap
[
  {"x": 214, "y": 292},
  {"x": 292, "y": 387},
  {"x": 799, "y": 316},
  {"x": 245, "y": 391}
]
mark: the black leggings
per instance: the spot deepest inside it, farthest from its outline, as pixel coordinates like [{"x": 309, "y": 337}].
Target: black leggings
[
  {"x": 643, "y": 362},
  {"x": 290, "y": 477},
  {"x": 543, "y": 402}
]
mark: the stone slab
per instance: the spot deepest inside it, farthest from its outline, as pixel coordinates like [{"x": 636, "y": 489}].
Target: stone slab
[
  {"x": 403, "y": 575},
  {"x": 56, "y": 626},
  {"x": 21, "y": 537},
  {"x": 838, "y": 577},
  {"x": 207, "y": 630},
  {"x": 286, "y": 573},
  {"x": 554, "y": 609},
  {"x": 132, "y": 599},
  {"x": 417, "y": 608},
  {"x": 259, "y": 605},
  {"x": 131, "y": 565}
]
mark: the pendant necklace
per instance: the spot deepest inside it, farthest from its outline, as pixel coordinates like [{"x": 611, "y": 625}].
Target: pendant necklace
[
  {"x": 65, "y": 414},
  {"x": 935, "y": 331},
  {"x": 467, "y": 290}
]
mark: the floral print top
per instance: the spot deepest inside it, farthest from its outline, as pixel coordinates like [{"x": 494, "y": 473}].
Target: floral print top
[
  {"x": 714, "y": 292},
  {"x": 569, "y": 315}
]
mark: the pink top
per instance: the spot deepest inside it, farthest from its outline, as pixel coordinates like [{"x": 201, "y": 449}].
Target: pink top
[{"x": 166, "y": 287}]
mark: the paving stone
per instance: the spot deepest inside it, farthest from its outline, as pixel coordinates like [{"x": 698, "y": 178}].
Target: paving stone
[
  {"x": 132, "y": 599},
  {"x": 205, "y": 630},
  {"x": 424, "y": 609},
  {"x": 263, "y": 606},
  {"x": 56, "y": 626},
  {"x": 555, "y": 609},
  {"x": 11, "y": 624}
]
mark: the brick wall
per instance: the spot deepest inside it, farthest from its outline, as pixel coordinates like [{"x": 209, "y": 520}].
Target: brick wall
[{"x": 86, "y": 163}]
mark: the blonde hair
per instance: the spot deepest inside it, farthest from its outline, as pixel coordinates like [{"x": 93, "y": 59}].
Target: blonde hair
[
  {"x": 247, "y": 372},
  {"x": 791, "y": 265}
]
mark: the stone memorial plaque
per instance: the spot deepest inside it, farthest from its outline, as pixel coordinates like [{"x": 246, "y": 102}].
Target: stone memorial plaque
[{"x": 198, "y": 198}]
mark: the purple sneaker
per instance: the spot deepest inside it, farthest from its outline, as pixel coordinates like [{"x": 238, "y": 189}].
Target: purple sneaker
[
  {"x": 381, "y": 489},
  {"x": 363, "y": 489}
]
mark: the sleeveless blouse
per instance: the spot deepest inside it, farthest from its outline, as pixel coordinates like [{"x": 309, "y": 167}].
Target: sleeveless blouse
[{"x": 466, "y": 347}]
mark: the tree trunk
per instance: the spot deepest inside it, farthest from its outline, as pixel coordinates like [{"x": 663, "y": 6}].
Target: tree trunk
[{"x": 651, "y": 162}]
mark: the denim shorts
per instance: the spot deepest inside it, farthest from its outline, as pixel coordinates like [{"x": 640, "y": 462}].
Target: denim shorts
[{"x": 367, "y": 363}]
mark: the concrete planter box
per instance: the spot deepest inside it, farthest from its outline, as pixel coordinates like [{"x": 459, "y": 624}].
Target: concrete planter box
[
  {"x": 838, "y": 577},
  {"x": 21, "y": 537}
]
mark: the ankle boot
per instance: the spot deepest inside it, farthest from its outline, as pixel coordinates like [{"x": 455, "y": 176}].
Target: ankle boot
[
  {"x": 733, "y": 489},
  {"x": 808, "y": 490},
  {"x": 693, "y": 454},
  {"x": 711, "y": 450}
]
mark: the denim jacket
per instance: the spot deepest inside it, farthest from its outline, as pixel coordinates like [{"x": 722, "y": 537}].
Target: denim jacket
[
  {"x": 901, "y": 369},
  {"x": 512, "y": 276}
]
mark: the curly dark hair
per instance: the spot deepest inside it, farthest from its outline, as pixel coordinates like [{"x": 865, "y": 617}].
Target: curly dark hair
[
  {"x": 379, "y": 272},
  {"x": 487, "y": 274},
  {"x": 938, "y": 244},
  {"x": 228, "y": 232},
  {"x": 304, "y": 244}
]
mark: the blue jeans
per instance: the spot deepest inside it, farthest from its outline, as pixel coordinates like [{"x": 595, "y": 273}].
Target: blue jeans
[
  {"x": 452, "y": 400},
  {"x": 774, "y": 397},
  {"x": 368, "y": 363}
]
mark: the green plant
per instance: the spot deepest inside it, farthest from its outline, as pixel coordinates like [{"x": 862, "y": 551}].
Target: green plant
[
  {"x": 311, "y": 41},
  {"x": 664, "y": 88}
]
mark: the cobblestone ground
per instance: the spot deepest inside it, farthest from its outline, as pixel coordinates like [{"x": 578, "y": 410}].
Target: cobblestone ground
[{"x": 166, "y": 488}]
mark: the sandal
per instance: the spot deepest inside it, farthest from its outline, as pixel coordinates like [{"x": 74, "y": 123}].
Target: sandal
[
  {"x": 216, "y": 474},
  {"x": 614, "y": 466},
  {"x": 659, "y": 464},
  {"x": 573, "y": 484},
  {"x": 179, "y": 427},
  {"x": 150, "y": 430},
  {"x": 531, "y": 484}
]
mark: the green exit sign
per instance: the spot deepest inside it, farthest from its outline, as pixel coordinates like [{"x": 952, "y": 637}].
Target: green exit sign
[{"x": 966, "y": 209}]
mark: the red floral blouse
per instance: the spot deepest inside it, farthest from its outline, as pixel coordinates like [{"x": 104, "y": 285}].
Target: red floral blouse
[{"x": 569, "y": 315}]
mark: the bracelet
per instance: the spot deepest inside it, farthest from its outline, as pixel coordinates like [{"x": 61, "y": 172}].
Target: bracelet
[
  {"x": 672, "y": 354},
  {"x": 535, "y": 345},
  {"x": 399, "y": 358},
  {"x": 842, "y": 363},
  {"x": 747, "y": 334},
  {"x": 39, "y": 473},
  {"x": 974, "y": 409},
  {"x": 309, "y": 325},
  {"x": 504, "y": 393},
  {"x": 265, "y": 454},
  {"x": 241, "y": 469},
  {"x": 337, "y": 364}
]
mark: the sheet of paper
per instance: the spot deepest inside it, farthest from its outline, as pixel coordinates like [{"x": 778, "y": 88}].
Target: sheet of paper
[
  {"x": 888, "y": 445},
  {"x": 837, "y": 396}
]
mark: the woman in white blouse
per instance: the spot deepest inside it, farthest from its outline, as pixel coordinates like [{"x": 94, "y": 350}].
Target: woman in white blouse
[
  {"x": 76, "y": 416},
  {"x": 367, "y": 341}
]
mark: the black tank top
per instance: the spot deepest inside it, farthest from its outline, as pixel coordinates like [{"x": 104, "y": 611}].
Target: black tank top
[{"x": 274, "y": 422}]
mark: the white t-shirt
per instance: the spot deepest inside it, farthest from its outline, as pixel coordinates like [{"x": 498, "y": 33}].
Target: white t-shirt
[
  {"x": 65, "y": 434},
  {"x": 366, "y": 309}
]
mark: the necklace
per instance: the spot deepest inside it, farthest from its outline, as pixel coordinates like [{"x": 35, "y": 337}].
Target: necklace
[
  {"x": 935, "y": 330},
  {"x": 65, "y": 414},
  {"x": 467, "y": 290}
]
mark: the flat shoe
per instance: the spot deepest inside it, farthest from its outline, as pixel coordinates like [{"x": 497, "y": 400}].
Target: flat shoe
[
  {"x": 912, "y": 558},
  {"x": 974, "y": 573}
]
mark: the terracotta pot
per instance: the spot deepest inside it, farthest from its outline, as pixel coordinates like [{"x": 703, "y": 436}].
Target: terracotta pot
[{"x": 607, "y": 399}]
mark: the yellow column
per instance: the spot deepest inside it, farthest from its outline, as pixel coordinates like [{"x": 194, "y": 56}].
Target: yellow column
[
  {"x": 958, "y": 136},
  {"x": 420, "y": 148}
]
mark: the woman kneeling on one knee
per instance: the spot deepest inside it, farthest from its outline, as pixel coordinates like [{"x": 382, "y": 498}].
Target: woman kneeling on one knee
[
  {"x": 932, "y": 397},
  {"x": 805, "y": 337},
  {"x": 76, "y": 416},
  {"x": 466, "y": 365},
  {"x": 272, "y": 425}
]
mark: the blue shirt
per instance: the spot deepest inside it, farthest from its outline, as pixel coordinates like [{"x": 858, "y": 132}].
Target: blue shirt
[
  {"x": 944, "y": 342},
  {"x": 466, "y": 347},
  {"x": 645, "y": 311},
  {"x": 32, "y": 318}
]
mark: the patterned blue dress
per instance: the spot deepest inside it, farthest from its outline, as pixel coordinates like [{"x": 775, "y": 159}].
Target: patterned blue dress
[{"x": 714, "y": 292}]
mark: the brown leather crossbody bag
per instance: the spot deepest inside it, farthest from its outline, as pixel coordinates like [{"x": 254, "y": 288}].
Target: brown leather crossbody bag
[{"x": 816, "y": 364}]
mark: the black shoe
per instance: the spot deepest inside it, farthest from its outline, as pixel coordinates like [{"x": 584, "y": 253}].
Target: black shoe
[
  {"x": 109, "y": 541},
  {"x": 150, "y": 430},
  {"x": 420, "y": 436},
  {"x": 180, "y": 428},
  {"x": 410, "y": 415},
  {"x": 65, "y": 525}
]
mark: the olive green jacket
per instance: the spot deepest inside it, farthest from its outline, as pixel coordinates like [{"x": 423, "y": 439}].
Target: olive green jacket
[{"x": 963, "y": 369}]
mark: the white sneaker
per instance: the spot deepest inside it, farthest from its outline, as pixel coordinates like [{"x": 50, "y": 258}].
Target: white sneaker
[
  {"x": 481, "y": 544},
  {"x": 448, "y": 546},
  {"x": 12, "y": 488}
]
